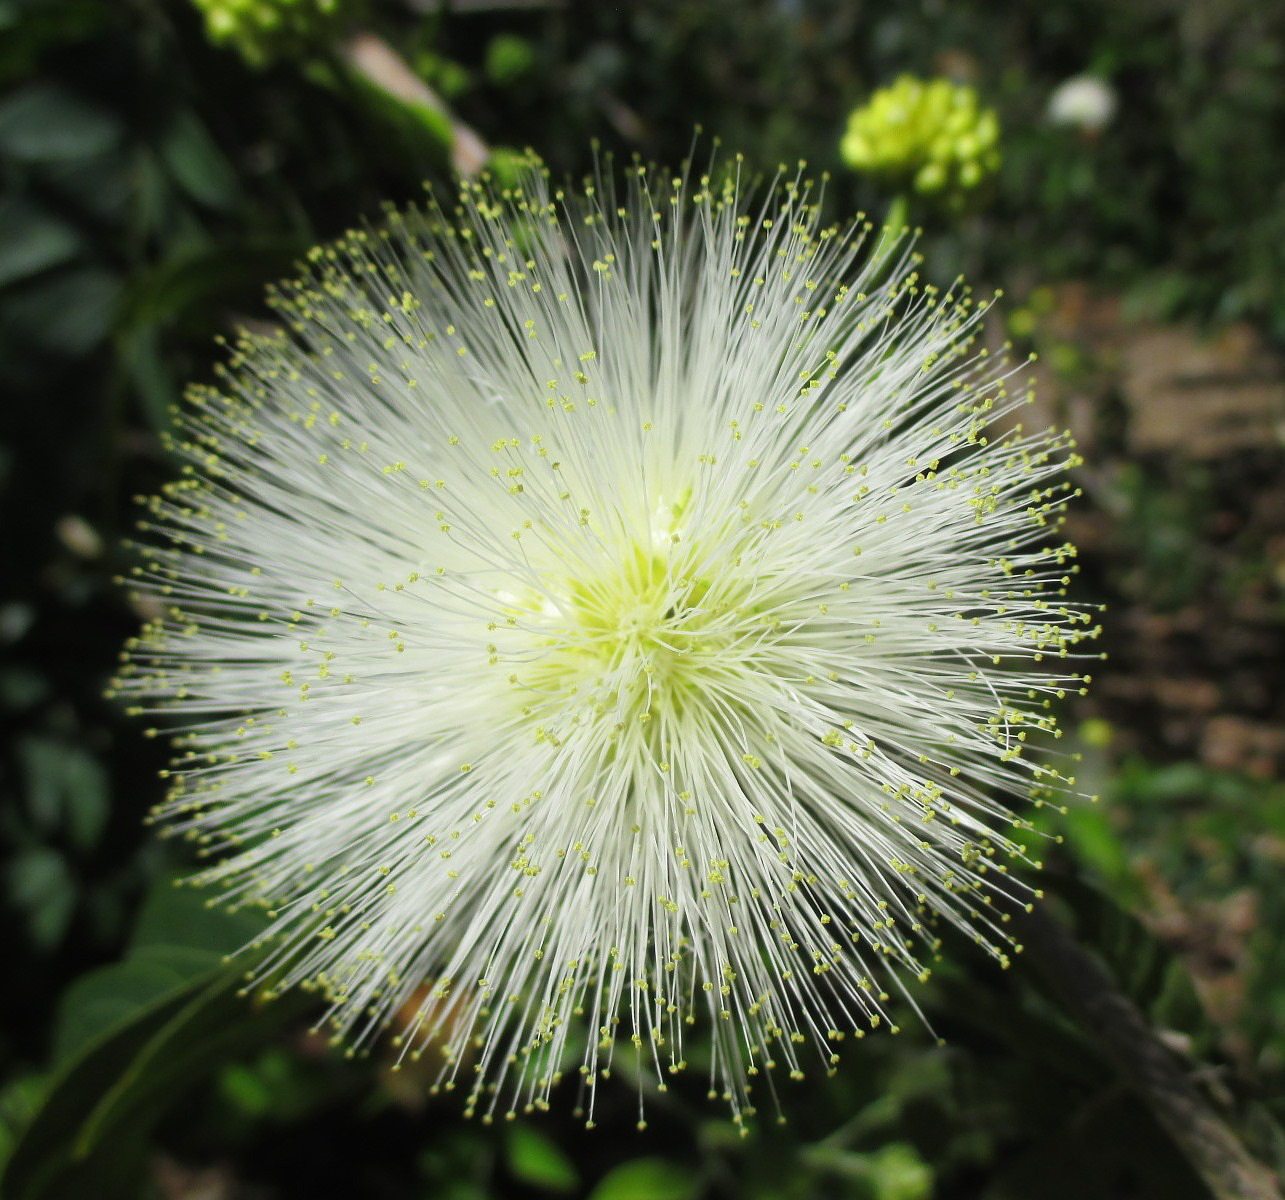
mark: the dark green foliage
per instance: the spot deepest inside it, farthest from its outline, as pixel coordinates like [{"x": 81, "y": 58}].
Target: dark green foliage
[{"x": 162, "y": 1036}]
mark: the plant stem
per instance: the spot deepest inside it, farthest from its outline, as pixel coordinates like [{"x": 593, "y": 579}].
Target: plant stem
[
  {"x": 1145, "y": 1063},
  {"x": 380, "y": 64}
]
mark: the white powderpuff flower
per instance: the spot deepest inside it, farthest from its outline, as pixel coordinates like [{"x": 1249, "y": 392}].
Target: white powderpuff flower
[
  {"x": 1084, "y": 102},
  {"x": 597, "y": 613}
]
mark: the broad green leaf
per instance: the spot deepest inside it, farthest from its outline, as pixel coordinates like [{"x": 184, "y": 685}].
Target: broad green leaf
[
  {"x": 105, "y": 1101},
  {"x": 112, "y": 996},
  {"x": 66, "y": 788},
  {"x": 41, "y": 885},
  {"x": 215, "y": 1023},
  {"x": 21, "y": 688},
  {"x": 44, "y": 122},
  {"x": 134, "y": 1037},
  {"x": 139, "y": 351},
  {"x": 1094, "y": 842},
  {"x": 20, "y": 1097},
  {"x": 178, "y": 939},
  {"x": 94, "y": 191},
  {"x": 34, "y": 241},
  {"x": 1034, "y": 1033},
  {"x": 66, "y": 312},
  {"x": 41, "y": 1155},
  {"x": 1145, "y": 969},
  {"x": 177, "y": 914},
  {"x": 535, "y": 1159},
  {"x": 191, "y": 277},
  {"x": 197, "y": 164},
  {"x": 647, "y": 1179}
]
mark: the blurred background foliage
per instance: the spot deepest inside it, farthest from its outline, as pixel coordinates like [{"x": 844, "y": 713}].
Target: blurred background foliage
[{"x": 161, "y": 160}]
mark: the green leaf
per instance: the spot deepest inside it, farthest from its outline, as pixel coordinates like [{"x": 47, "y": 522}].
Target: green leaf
[
  {"x": 97, "y": 191},
  {"x": 20, "y": 1097},
  {"x": 132, "y": 1038},
  {"x": 1144, "y": 967},
  {"x": 112, "y": 996},
  {"x": 1094, "y": 842},
  {"x": 139, "y": 352},
  {"x": 67, "y": 790},
  {"x": 34, "y": 241},
  {"x": 1033, "y": 1032},
  {"x": 103, "y": 1103},
  {"x": 647, "y": 1179},
  {"x": 197, "y": 164},
  {"x": 178, "y": 939},
  {"x": 173, "y": 914},
  {"x": 533, "y": 1158},
  {"x": 21, "y": 688},
  {"x": 247, "y": 1091},
  {"x": 214, "y": 1023},
  {"x": 898, "y": 1173},
  {"x": 47, "y": 123},
  {"x": 67, "y": 312},
  {"x": 509, "y": 59},
  {"x": 41, "y": 1153},
  {"x": 40, "y": 883},
  {"x": 192, "y": 277}
]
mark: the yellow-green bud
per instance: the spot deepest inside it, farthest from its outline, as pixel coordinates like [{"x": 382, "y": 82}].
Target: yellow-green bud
[
  {"x": 930, "y": 136},
  {"x": 260, "y": 30}
]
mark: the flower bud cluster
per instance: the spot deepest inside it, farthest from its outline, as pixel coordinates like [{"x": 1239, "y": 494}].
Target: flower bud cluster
[
  {"x": 260, "y": 30},
  {"x": 932, "y": 137}
]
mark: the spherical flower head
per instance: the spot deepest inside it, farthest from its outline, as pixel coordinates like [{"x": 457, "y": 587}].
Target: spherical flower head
[
  {"x": 597, "y": 613},
  {"x": 930, "y": 136},
  {"x": 262, "y": 30},
  {"x": 1083, "y": 102}
]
